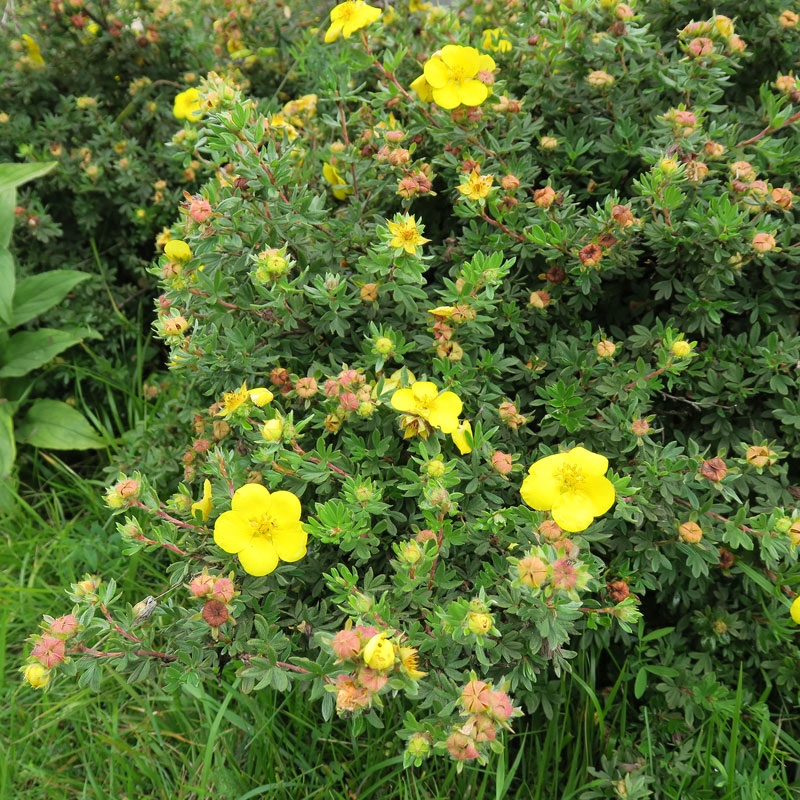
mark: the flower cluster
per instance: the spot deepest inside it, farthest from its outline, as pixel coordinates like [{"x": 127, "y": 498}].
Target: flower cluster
[{"x": 49, "y": 649}]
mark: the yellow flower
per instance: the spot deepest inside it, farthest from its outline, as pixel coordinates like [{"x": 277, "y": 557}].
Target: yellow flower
[
  {"x": 406, "y": 234},
  {"x": 36, "y": 675},
  {"x": 442, "y": 311},
  {"x": 460, "y": 438},
  {"x": 205, "y": 505},
  {"x": 418, "y": 5},
  {"x": 681, "y": 348},
  {"x": 378, "y": 652},
  {"x": 163, "y": 237},
  {"x": 335, "y": 179},
  {"x": 260, "y": 396},
  {"x": 423, "y": 89},
  {"x": 261, "y": 528},
  {"x": 177, "y": 250},
  {"x": 409, "y": 661},
  {"x": 572, "y": 486},
  {"x": 476, "y": 186},
  {"x": 34, "y": 54},
  {"x": 423, "y": 400},
  {"x": 794, "y": 610},
  {"x": 451, "y": 74},
  {"x": 493, "y": 40},
  {"x": 278, "y": 121},
  {"x": 232, "y": 400},
  {"x": 350, "y": 16},
  {"x": 188, "y": 105},
  {"x": 394, "y": 380},
  {"x": 272, "y": 430}
]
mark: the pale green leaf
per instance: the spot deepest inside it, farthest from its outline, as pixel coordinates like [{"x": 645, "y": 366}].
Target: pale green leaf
[
  {"x": 8, "y": 449},
  {"x": 13, "y": 175},
  {"x": 38, "y": 293},
  {"x": 58, "y": 426},
  {"x": 7, "y": 277},
  {"x": 28, "y": 350}
]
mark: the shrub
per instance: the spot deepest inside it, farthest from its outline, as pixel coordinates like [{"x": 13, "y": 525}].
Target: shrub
[{"x": 502, "y": 362}]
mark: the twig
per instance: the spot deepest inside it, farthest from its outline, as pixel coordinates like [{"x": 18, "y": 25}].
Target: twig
[
  {"x": 502, "y": 227},
  {"x": 770, "y": 129},
  {"x": 719, "y": 517}
]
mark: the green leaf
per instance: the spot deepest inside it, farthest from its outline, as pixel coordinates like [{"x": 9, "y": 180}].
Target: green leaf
[
  {"x": 6, "y": 286},
  {"x": 36, "y": 294},
  {"x": 28, "y": 350},
  {"x": 13, "y": 175},
  {"x": 53, "y": 424},
  {"x": 640, "y": 684},
  {"x": 8, "y": 199},
  {"x": 8, "y": 450}
]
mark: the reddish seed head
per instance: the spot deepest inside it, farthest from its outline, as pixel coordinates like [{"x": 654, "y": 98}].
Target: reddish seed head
[
  {"x": 500, "y": 705},
  {"x": 461, "y": 747},
  {"x": 565, "y": 576},
  {"x": 501, "y": 462},
  {"x": 348, "y": 401},
  {"x": 714, "y": 469},
  {"x": 215, "y": 613}
]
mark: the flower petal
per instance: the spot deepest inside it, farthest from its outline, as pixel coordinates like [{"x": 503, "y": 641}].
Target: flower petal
[
  {"x": 600, "y": 492},
  {"x": 573, "y": 511},
  {"x": 290, "y": 542},
  {"x": 435, "y": 72},
  {"x": 424, "y": 390},
  {"x": 251, "y": 501},
  {"x": 232, "y": 531},
  {"x": 447, "y": 96},
  {"x": 403, "y": 400},
  {"x": 589, "y": 463},
  {"x": 473, "y": 93},
  {"x": 548, "y": 463},
  {"x": 259, "y": 557},
  {"x": 465, "y": 60},
  {"x": 284, "y": 508},
  {"x": 332, "y": 34},
  {"x": 541, "y": 490},
  {"x": 445, "y": 412},
  {"x": 486, "y": 62}
]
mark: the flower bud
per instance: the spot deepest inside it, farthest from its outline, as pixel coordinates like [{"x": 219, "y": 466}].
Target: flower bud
[
  {"x": 760, "y": 456},
  {"x": 476, "y": 697},
  {"x": 177, "y": 250},
  {"x": 272, "y": 430},
  {"x": 548, "y": 143},
  {"x": 435, "y": 468},
  {"x": 681, "y": 348},
  {"x": 419, "y": 745},
  {"x": 641, "y": 427},
  {"x": 426, "y": 535},
  {"x": 599, "y": 78},
  {"x": 763, "y": 242},
  {"x": 509, "y": 182},
  {"x": 384, "y": 345},
  {"x": 87, "y": 587},
  {"x": 785, "y": 83},
  {"x": 410, "y": 552},
  {"x": 788, "y": 19},
  {"x": 605, "y": 348},
  {"x": 564, "y": 574},
  {"x": 379, "y": 653},
  {"x": 532, "y": 571},
  {"x": 544, "y": 198},
  {"x": 500, "y": 707},
  {"x": 306, "y": 387},
  {"x": 551, "y": 530},
  {"x": 501, "y": 462},
  {"x": 49, "y": 651},
  {"x": 64, "y": 626},
  {"x": 540, "y": 299},
  {"x": 479, "y": 624},
  {"x": 701, "y": 46},
  {"x": 690, "y": 532},
  {"x": 202, "y": 585},
  {"x": 36, "y": 675},
  {"x": 399, "y": 155},
  {"x": 714, "y": 149},
  {"x": 461, "y": 747},
  {"x": 668, "y": 165},
  {"x": 782, "y": 197},
  {"x": 346, "y": 644},
  {"x": 223, "y": 590}
]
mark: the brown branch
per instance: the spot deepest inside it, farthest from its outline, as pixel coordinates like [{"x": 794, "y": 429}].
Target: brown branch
[
  {"x": 117, "y": 627},
  {"x": 770, "y": 129},
  {"x": 502, "y": 227},
  {"x": 646, "y": 377}
]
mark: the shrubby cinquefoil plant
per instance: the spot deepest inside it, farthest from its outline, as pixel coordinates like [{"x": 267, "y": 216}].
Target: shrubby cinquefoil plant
[{"x": 496, "y": 316}]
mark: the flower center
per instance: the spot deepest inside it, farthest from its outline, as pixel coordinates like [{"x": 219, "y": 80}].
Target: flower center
[
  {"x": 349, "y": 9},
  {"x": 264, "y": 526},
  {"x": 571, "y": 478}
]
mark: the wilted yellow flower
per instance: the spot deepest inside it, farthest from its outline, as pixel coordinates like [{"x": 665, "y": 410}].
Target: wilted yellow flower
[
  {"x": 572, "y": 486},
  {"x": 204, "y": 505},
  {"x": 476, "y": 186},
  {"x": 453, "y": 75},
  {"x": 493, "y": 40},
  {"x": 409, "y": 661},
  {"x": 406, "y": 234},
  {"x": 335, "y": 179},
  {"x": 379, "y": 652},
  {"x": 261, "y": 528},
  {"x": 350, "y": 16},
  {"x": 188, "y": 105}
]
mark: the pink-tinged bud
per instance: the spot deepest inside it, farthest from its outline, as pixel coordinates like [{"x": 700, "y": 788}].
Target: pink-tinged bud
[
  {"x": 199, "y": 209},
  {"x": 565, "y": 576},
  {"x": 484, "y": 728},
  {"x": 532, "y": 571},
  {"x": 48, "y": 651},
  {"x": 714, "y": 149},
  {"x": 500, "y": 706},
  {"x": 215, "y": 613},
  {"x": 685, "y": 118},
  {"x": 306, "y": 388},
  {"x": 394, "y": 136},
  {"x": 758, "y": 189},
  {"x": 701, "y": 47},
  {"x": 551, "y": 530},
  {"x": 693, "y": 28},
  {"x": 202, "y": 585},
  {"x": 383, "y": 153},
  {"x": 426, "y": 535},
  {"x": 223, "y": 590},
  {"x": 743, "y": 171},
  {"x": 346, "y": 644},
  {"x": 64, "y": 626},
  {"x": 371, "y": 679},
  {"x": 348, "y": 401},
  {"x": 782, "y": 198},
  {"x": 623, "y": 11},
  {"x": 399, "y": 155},
  {"x": 349, "y": 377},
  {"x": 200, "y": 445},
  {"x": 365, "y": 632},
  {"x": 127, "y": 488},
  {"x": 785, "y": 83},
  {"x": 788, "y": 19},
  {"x": 501, "y": 462},
  {"x": 476, "y": 697},
  {"x": 164, "y": 301},
  {"x": 88, "y": 586},
  {"x": 461, "y": 747},
  {"x": 407, "y": 187},
  {"x": 331, "y": 388},
  {"x": 763, "y": 242},
  {"x": 641, "y": 427}
]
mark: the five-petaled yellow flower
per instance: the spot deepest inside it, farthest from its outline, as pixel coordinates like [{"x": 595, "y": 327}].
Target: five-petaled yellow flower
[
  {"x": 422, "y": 88},
  {"x": 204, "y": 505},
  {"x": 423, "y": 400},
  {"x": 335, "y": 179},
  {"x": 476, "y": 186},
  {"x": 350, "y": 16},
  {"x": 188, "y": 105},
  {"x": 454, "y": 75},
  {"x": 493, "y": 39},
  {"x": 261, "y": 528},
  {"x": 409, "y": 661},
  {"x": 406, "y": 234},
  {"x": 572, "y": 486},
  {"x": 232, "y": 400}
]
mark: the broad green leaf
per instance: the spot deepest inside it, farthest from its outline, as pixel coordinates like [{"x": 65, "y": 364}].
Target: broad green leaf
[
  {"x": 6, "y": 286},
  {"x": 640, "y": 684},
  {"x": 8, "y": 449},
  {"x": 53, "y": 424},
  {"x": 36, "y": 294},
  {"x": 13, "y": 175},
  {"x": 28, "y": 350},
  {"x": 8, "y": 199}
]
